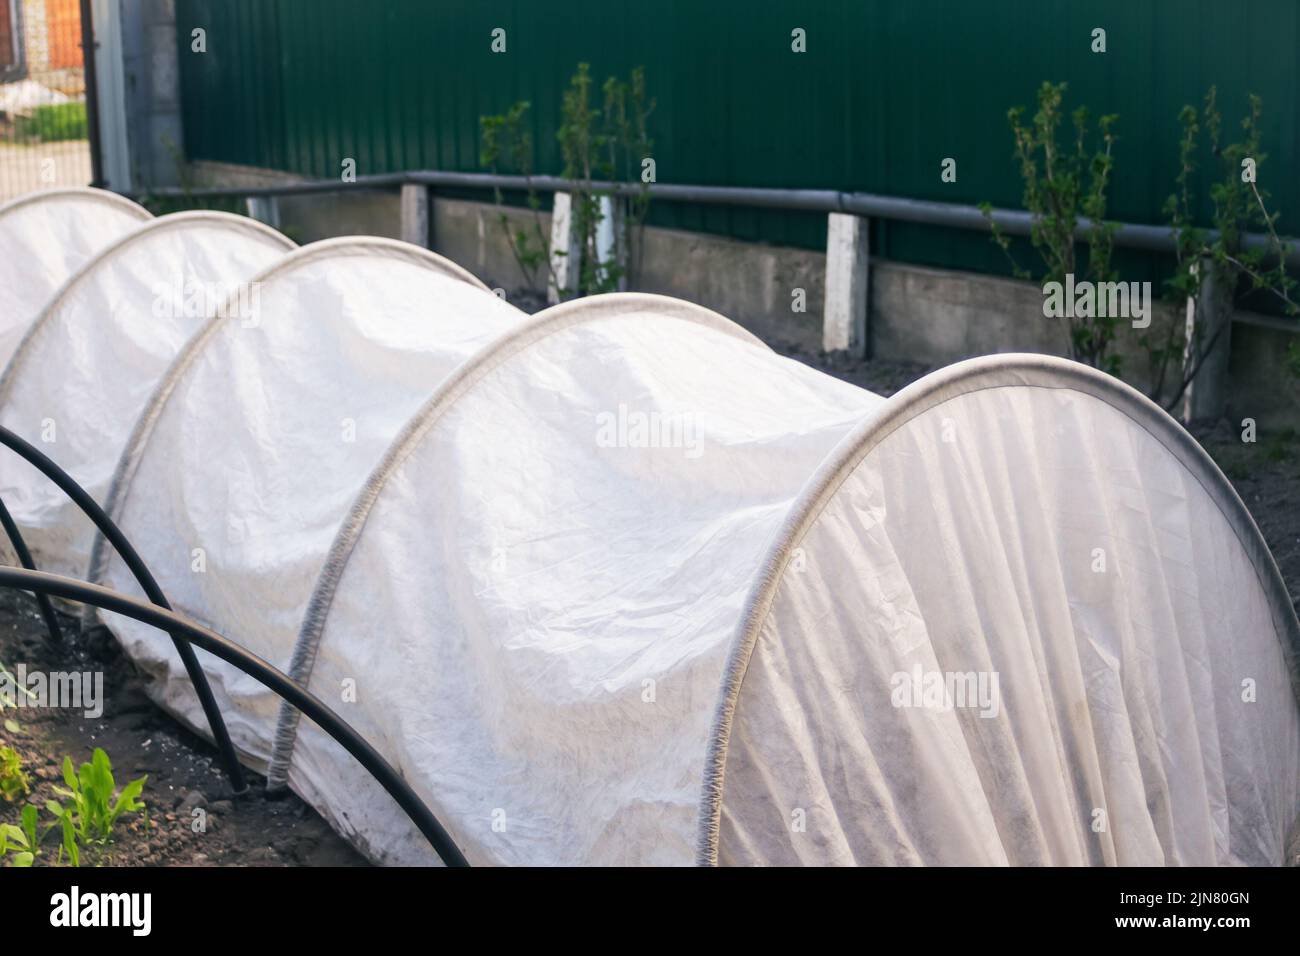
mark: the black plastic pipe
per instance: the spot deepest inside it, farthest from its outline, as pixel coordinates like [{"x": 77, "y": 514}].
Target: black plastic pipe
[
  {"x": 39, "y": 582},
  {"x": 111, "y": 532},
  {"x": 25, "y": 559}
]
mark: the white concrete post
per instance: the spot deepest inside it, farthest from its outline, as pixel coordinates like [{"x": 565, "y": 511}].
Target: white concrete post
[
  {"x": 416, "y": 214},
  {"x": 264, "y": 209},
  {"x": 844, "y": 319},
  {"x": 1209, "y": 319},
  {"x": 565, "y": 253},
  {"x": 609, "y": 238}
]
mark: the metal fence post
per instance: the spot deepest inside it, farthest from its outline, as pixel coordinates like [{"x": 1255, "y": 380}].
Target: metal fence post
[
  {"x": 417, "y": 215},
  {"x": 844, "y": 318},
  {"x": 1209, "y": 343},
  {"x": 264, "y": 209},
  {"x": 91, "y": 79}
]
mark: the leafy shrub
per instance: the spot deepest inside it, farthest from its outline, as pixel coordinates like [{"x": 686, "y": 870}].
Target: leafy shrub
[
  {"x": 1239, "y": 205},
  {"x": 606, "y": 142},
  {"x": 54, "y": 123},
  {"x": 1066, "y": 182}
]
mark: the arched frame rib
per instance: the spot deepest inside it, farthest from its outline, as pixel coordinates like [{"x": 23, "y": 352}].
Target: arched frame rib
[
  {"x": 142, "y": 432},
  {"x": 73, "y": 192},
  {"x": 177, "y": 220},
  {"x": 546, "y": 323},
  {"x": 994, "y": 371}
]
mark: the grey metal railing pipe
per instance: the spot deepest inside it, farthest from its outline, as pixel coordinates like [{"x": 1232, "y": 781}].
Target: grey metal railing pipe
[{"x": 1016, "y": 222}]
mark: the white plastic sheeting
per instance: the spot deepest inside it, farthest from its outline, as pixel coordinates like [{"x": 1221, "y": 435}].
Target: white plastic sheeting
[
  {"x": 1044, "y": 630},
  {"x": 607, "y": 478},
  {"x": 575, "y": 598},
  {"x": 253, "y": 448},
  {"x": 616, "y": 584},
  {"x": 87, "y": 365},
  {"x": 44, "y": 238}
]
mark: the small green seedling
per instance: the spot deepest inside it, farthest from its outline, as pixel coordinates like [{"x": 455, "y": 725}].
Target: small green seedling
[
  {"x": 14, "y": 842},
  {"x": 65, "y": 819},
  {"x": 93, "y": 811},
  {"x": 29, "y": 825}
]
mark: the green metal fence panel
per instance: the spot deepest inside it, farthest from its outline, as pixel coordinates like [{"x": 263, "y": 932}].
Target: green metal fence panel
[{"x": 884, "y": 93}]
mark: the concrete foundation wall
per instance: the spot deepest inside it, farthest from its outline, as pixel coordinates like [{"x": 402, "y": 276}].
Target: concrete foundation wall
[
  {"x": 471, "y": 234},
  {"x": 1261, "y": 385},
  {"x": 917, "y": 314},
  {"x": 754, "y": 285},
  {"x": 304, "y": 219}
]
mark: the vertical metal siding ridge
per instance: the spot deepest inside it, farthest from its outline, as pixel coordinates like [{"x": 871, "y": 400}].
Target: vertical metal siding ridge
[{"x": 838, "y": 123}]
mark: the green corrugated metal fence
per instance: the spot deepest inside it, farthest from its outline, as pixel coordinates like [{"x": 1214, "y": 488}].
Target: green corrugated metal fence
[{"x": 884, "y": 92}]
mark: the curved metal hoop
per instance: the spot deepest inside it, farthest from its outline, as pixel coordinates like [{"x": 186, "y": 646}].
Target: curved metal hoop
[
  {"x": 466, "y": 376},
  {"x": 25, "y": 559},
  {"x": 92, "y": 510},
  {"x": 39, "y": 582}
]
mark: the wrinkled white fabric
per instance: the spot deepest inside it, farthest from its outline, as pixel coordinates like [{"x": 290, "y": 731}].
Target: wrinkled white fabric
[
  {"x": 44, "y": 239},
  {"x": 87, "y": 366},
  {"x": 529, "y": 591},
  {"x": 536, "y": 611},
  {"x": 1044, "y": 537},
  {"x": 261, "y": 438}
]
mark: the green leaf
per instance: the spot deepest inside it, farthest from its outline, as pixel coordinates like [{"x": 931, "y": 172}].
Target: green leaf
[
  {"x": 103, "y": 769},
  {"x": 11, "y": 834},
  {"x": 86, "y": 779},
  {"x": 127, "y": 800},
  {"x": 23, "y": 859},
  {"x": 13, "y": 726},
  {"x": 29, "y": 816},
  {"x": 70, "y": 842},
  {"x": 69, "y": 775}
]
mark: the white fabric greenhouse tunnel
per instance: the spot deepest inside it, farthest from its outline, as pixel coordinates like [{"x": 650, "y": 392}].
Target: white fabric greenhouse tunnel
[{"x": 617, "y": 584}]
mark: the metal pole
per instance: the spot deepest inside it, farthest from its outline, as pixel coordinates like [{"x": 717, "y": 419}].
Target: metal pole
[
  {"x": 113, "y": 534},
  {"x": 25, "y": 559},
  {"x": 167, "y": 620},
  {"x": 88, "y": 46},
  {"x": 1016, "y": 222}
]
